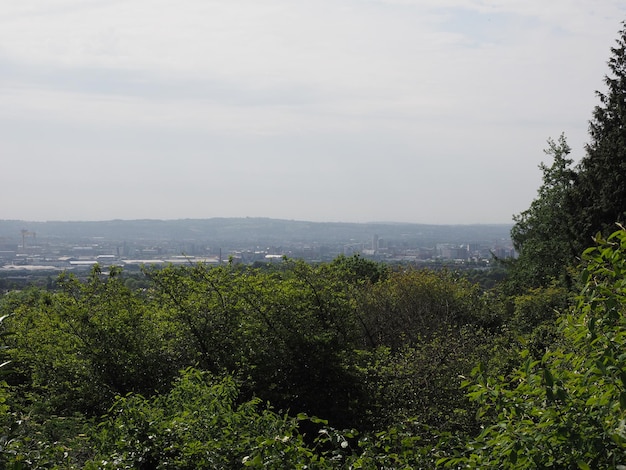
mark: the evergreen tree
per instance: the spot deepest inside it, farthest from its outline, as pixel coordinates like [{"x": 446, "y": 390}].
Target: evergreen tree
[
  {"x": 541, "y": 232},
  {"x": 598, "y": 199},
  {"x": 574, "y": 204}
]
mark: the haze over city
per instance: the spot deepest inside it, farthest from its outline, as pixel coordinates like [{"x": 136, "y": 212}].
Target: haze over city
[{"x": 421, "y": 111}]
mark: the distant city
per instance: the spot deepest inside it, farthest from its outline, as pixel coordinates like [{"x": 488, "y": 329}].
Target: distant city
[{"x": 27, "y": 247}]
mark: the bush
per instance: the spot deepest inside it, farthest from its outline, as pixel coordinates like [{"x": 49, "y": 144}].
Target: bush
[{"x": 567, "y": 409}]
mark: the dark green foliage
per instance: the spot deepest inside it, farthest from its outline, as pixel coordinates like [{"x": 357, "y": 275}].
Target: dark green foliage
[
  {"x": 535, "y": 315},
  {"x": 283, "y": 330},
  {"x": 38, "y": 442},
  {"x": 199, "y": 424},
  {"x": 599, "y": 196},
  {"x": 538, "y": 306},
  {"x": 403, "y": 385},
  {"x": 575, "y": 203},
  {"x": 358, "y": 270},
  {"x": 387, "y": 358},
  {"x": 348, "y": 341},
  {"x": 487, "y": 278},
  {"x": 203, "y": 309},
  {"x": 414, "y": 306},
  {"x": 76, "y": 349},
  {"x": 422, "y": 330},
  {"x": 541, "y": 234},
  {"x": 568, "y": 408}
]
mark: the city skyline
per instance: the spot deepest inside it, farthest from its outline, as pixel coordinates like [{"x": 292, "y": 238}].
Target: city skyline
[{"x": 58, "y": 246}]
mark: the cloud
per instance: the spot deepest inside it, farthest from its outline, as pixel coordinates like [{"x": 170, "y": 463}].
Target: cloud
[{"x": 459, "y": 88}]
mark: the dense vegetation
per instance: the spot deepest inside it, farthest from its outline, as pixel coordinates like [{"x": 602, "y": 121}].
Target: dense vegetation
[
  {"x": 346, "y": 364},
  {"x": 576, "y": 202}
]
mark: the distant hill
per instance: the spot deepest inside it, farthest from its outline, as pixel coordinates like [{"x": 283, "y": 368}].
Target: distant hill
[{"x": 254, "y": 231}]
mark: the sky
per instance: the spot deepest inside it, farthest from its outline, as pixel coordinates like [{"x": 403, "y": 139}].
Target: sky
[{"x": 422, "y": 111}]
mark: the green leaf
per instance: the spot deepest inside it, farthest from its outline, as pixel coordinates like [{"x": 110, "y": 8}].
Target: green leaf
[
  {"x": 584, "y": 276},
  {"x": 547, "y": 377},
  {"x": 256, "y": 461}
]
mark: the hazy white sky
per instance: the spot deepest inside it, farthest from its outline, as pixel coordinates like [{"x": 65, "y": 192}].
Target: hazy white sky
[{"x": 427, "y": 111}]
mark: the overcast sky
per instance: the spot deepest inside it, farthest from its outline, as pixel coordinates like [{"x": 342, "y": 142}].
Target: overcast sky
[{"x": 426, "y": 111}]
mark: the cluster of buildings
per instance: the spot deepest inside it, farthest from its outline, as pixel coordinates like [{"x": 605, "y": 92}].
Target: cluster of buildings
[
  {"x": 60, "y": 256},
  {"x": 475, "y": 252},
  {"x": 28, "y": 253}
]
